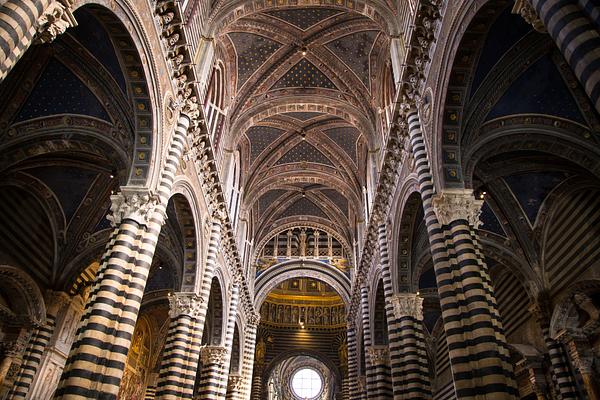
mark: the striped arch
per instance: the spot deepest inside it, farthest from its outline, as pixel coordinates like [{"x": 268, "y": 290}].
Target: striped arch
[
  {"x": 28, "y": 306},
  {"x": 230, "y": 11},
  {"x": 331, "y": 105},
  {"x": 125, "y": 26},
  {"x": 216, "y": 317},
  {"x": 280, "y": 273},
  {"x": 237, "y": 350},
  {"x": 190, "y": 237}
]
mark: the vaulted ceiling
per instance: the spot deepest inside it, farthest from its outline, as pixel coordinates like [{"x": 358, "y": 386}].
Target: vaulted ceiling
[{"x": 303, "y": 112}]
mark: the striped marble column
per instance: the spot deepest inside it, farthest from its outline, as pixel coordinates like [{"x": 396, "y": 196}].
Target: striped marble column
[
  {"x": 212, "y": 386},
  {"x": 563, "y": 379},
  {"x": 150, "y": 393},
  {"x": 21, "y": 20},
  {"x": 413, "y": 362},
  {"x": 98, "y": 355},
  {"x": 345, "y": 388},
  {"x": 352, "y": 362},
  {"x": 370, "y": 372},
  {"x": 257, "y": 384},
  {"x": 577, "y": 37},
  {"x": 379, "y": 357},
  {"x": 481, "y": 367},
  {"x": 181, "y": 353},
  {"x": 235, "y": 384},
  {"x": 223, "y": 375},
  {"x": 250, "y": 328},
  {"x": 37, "y": 345},
  {"x": 397, "y": 336}
]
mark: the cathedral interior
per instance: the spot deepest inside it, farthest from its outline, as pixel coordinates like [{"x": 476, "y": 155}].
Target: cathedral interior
[{"x": 300, "y": 199}]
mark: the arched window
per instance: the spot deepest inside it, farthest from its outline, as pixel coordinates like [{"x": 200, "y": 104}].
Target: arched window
[{"x": 215, "y": 103}]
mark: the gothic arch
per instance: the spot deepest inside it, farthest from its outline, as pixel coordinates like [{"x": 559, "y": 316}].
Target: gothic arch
[
  {"x": 292, "y": 269},
  {"x": 378, "y": 11},
  {"x": 26, "y": 299}
]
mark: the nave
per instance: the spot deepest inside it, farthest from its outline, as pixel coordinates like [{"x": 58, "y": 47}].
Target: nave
[{"x": 299, "y": 199}]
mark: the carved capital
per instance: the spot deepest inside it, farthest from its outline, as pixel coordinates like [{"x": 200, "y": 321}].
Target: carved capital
[
  {"x": 184, "y": 303},
  {"x": 235, "y": 382},
  {"x": 455, "y": 204},
  {"x": 362, "y": 383},
  {"x": 191, "y": 109},
  {"x": 579, "y": 347},
  {"x": 14, "y": 348},
  {"x": 213, "y": 355},
  {"x": 54, "y": 21},
  {"x": 135, "y": 204},
  {"x": 55, "y": 301},
  {"x": 526, "y": 10},
  {"x": 253, "y": 319},
  {"x": 378, "y": 354},
  {"x": 407, "y": 305}
]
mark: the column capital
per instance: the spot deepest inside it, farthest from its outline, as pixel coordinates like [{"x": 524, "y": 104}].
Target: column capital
[
  {"x": 213, "y": 355},
  {"x": 133, "y": 203},
  {"x": 55, "y": 301},
  {"x": 378, "y": 354},
  {"x": 190, "y": 108},
  {"x": 185, "y": 303},
  {"x": 526, "y": 10},
  {"x": 253, "y": 319},
  {"x": 407, "y": 305},
  {"x": 15, "y": 347},
  {"x": 54, "y": 21},
  {"x": 235, "y": 382},
  {"x": 454, "y": 204}
]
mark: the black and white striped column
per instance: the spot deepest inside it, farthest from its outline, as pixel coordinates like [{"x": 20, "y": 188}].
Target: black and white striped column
[
  {"x": 370, "y": 372},
  {"x": 37, "y": 346},
  {"x": 478, "y": 352},
  {"x": 250, "y": 328},
  {"x": 211, "y": 383},
  {"x": 98, "y": 356},
  {"x": 235, "y": 385},
  {"x": 223, "y": 374},
  {"x": 22, "y": 20},
  {"x": 413, "y": 362},
  {"x": 181, "y": 353},
  {"x": 401, "y": 369},
  {"x": 353, "y": 389},
  {"x": 150, "y": 393},
  {"x": 577, "y": 37},
  {"x": 379, "y": 357},
  {"x": 563, "y": 379}
]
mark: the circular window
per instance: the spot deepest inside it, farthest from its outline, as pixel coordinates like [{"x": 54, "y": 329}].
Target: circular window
[{"x": 307, "y": 383}]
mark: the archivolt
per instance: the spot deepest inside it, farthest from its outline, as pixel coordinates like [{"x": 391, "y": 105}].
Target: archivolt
[{"x": 279, "y": 273}]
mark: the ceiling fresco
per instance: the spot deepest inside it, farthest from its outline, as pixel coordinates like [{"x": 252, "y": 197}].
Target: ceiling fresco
[{"x": 304, "y": 111}]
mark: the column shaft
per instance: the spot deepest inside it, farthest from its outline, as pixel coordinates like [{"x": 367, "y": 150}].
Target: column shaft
[
  {"x": 97, "y": 359},
  {"x": 408, "y": 357},
  {"x": 36, "y": 348},
  {"x": 248, "y": 357},
  {"x": 353, "y": 389},
  {"x": 211, "y": 385},
  {"x": 367, "y": 341},
  {"x": 477, "y": 347},
  {"x": 223, "y": 375},
  {"x": 18, "y": 20},
  {"x": 181, "y": 353},
  {"x": 578, "y": 39}
]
